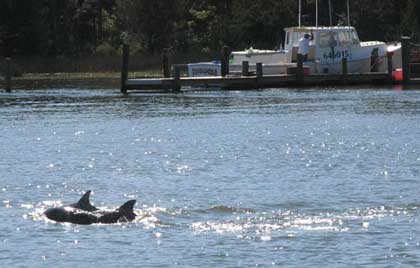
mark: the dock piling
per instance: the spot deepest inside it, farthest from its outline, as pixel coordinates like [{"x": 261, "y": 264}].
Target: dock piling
[
  {"x": 8, "y": 75},
  {"x": 176, "y": 74},
  {"x": 259, "y": 70},
  {"x": 165, "y": 64},
  {"x": 390, "y": 66},
  {"x": 225, "y": 60},
  {"x": 374, "y": 60},
  {"x": 299, "y": 69},
  {"x": 405, "y": 51},
  {"x": 245, "y": 68},
  {"x": 124, "y": 68},
  {"x": 344, "y": 67}
]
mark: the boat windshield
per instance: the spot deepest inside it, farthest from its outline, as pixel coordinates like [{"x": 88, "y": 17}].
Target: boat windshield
[
  {"x": 338, "y": 38},
  {"x": 325, "y": 38},
  {"x": 292, "y": 38}
]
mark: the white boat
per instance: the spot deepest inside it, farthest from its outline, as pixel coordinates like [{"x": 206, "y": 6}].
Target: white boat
[{"x": 326, "y": 52}]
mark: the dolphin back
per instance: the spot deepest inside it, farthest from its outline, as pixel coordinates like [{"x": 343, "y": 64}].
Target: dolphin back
[{"x": 70, "y": 214}]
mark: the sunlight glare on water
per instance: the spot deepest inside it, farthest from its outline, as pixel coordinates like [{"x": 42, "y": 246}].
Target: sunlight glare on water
[{"x": 287, "y": 177}]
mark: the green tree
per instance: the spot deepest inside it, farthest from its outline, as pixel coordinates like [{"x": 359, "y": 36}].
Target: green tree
[
  {"x": 151, "y": 23},
  {"x": 261, "y": 23},
  {"x": 78, "y": 27},
  {"x": 410, "y": 23},
  {"x": 21, "y": 28},
  {"x": 375, "y": 20}
]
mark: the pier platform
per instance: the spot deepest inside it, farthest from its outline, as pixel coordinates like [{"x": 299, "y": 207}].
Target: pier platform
[
  {"x": 172, "y": 81},
  {"x": 253, "y": 82}
]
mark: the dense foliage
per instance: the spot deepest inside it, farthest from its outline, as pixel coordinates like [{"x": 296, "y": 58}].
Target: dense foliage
[{"x": 86, "y": 27}]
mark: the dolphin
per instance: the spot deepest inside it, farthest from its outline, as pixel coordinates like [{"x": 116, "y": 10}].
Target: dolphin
[
  {"x": 83, "y": 212},
  {"x": 84, "y": 203}
]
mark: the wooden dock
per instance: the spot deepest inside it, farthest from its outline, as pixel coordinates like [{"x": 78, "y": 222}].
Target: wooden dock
[
  {"x": 256, "y": 80},
  {"x": 252, "y": 82},
  {"x": 172, "y": 81}
]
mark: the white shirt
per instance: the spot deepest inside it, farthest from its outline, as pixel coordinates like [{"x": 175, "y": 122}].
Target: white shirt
[{"x": 304, "y": 45}]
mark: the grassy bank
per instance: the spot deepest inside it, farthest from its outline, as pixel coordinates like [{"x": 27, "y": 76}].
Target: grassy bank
[{"x": 73, "y": 80}]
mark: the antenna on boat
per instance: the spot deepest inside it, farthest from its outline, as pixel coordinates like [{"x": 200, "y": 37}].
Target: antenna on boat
[
  {"x": 330, "y": 8},
  {"x": 348, "y": 13},
  {"x": 300, "y": 11},
  {"x": 316, "y": 13}
]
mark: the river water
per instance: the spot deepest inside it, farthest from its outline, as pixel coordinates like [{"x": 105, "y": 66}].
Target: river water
[{"x": 272, "y": 178}]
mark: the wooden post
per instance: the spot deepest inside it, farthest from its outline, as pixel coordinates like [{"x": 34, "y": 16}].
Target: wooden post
[
  {"x": 225, "y": 60},
  {"x": 245, "y": 68},
  {"x": 259, "y": 72},
  {"x": 344, "y": 67},
  {"x": 177, "y": 78},
  {"x": 299, "y": 69},
  {"x": 374, "y": 60},
  {"x": 405, "y": 51},
  {"x": 259, "y": 69},
  {"x": 166, "y": 72},
  {"x": 390, "y": 67},
  {"x": 124, "y": 68},
  {"x": 8, "y": 75}
]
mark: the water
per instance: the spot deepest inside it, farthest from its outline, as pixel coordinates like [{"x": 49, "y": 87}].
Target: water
[{"x": 273, "y": 178}]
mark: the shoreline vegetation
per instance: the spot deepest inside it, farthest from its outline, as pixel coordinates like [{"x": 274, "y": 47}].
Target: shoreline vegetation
[
  {"x": 93, "y": 80},
  {"x": 89, "y": 72}
]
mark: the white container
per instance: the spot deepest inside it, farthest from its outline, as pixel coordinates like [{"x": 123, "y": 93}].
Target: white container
[{"x": 204, "y": 69}]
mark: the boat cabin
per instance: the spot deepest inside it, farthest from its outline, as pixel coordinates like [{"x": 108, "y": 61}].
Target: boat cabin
[{"x": 329, "y": 43}]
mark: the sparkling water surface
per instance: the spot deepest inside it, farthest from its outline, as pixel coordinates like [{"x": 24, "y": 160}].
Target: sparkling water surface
[{"x": 273, "y": 178}]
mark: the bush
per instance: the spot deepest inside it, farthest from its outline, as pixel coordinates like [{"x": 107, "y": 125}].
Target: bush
[
  {"x": 16, "y": 71},
  {"x": 105, "y": 49},
  {"x": 136, "y": 48}
]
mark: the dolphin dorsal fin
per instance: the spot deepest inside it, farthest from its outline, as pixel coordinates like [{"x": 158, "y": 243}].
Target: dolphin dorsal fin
[
  {"x": 127, "y": 209},
  {"x": 84, "y": 203}
]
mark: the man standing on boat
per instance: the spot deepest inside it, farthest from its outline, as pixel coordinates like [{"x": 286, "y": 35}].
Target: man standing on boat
[{"x": 304, "y": 45}]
